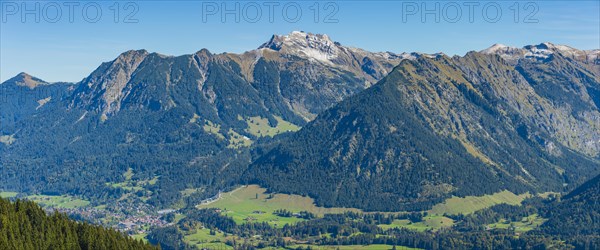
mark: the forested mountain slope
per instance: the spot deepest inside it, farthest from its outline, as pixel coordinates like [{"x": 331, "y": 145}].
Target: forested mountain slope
[
  {"x": 578, "y": 213},
  {"x": 23, "y": 95},
  {"x": 441, "y": 126}
]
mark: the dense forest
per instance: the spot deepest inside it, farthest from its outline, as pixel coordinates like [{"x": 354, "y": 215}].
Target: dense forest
[
  {"x": 25, "y": 225},
  {"x": 578, "y": 213}
]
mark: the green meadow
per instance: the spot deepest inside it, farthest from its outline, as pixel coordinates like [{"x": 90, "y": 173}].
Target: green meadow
[
  {"x": 202, "y": 239},
  {"x": 260, "y": 127},
  {"x": 470, "y": 204},
  {"x": 4, "y": 194},
  {"x": 58, "y": 201},
  {"x": 430, "y": 222},
  {"x": 253, "y": 204},
  {"x": 524, "y": 225}
]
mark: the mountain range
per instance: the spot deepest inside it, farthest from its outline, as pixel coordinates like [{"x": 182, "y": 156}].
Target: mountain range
[
  {"x": 442, "y": 126},
  {"x": 191, "y": 116},
  {"x": 377, "y": 131}
]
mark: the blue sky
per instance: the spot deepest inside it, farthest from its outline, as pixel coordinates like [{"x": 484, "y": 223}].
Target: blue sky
[{"x": 56, "y": 49}]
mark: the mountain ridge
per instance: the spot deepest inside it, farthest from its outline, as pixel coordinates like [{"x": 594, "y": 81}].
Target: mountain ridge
[
  {"x": 275, "y": 43},
  {"x": 543, "y": 51},
  {"x": 190, "y": 118},
  {"x": 195, "y": 120},
  {"x": 483, "y": 116}
]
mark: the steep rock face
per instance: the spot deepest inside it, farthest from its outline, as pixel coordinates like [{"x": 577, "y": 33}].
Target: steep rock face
[
  {"x": 563, "y": 85},
  {"x": 440, "y": 126},
  {"x": 320, "y": 48},
  {"x": 556, "y": 96},
  {"x": 104, "y": 88}
]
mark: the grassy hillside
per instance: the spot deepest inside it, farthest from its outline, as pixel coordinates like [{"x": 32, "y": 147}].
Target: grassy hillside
[
  {"x": 58, "y": 201},
  {"x": 526, "y": 224},
  {"x": 470, "y": 204},
  {"x": 260, "y": 127},
  {"x": 430, "y": 222},
  {"x": 252, "y": 203},
  {"x": 6, "y": 194}
]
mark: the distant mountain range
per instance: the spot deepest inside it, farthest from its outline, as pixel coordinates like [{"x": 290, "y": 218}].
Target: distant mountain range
[{"x": 380, "y": 131}]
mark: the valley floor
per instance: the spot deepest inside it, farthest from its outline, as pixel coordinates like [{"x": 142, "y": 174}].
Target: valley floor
[{"x": 253, "y": 205}]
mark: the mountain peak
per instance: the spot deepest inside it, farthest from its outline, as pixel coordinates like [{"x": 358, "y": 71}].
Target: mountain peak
[
  {"x": 498, "y": 47},
  {"x": 25, "y": 80},
  {"x": 541, "y": 46},
  {"x": 132, "y": 56},
  {"x": 204, "y": 51},
  {"x": 23, "y": 74},
  {"x": 554, "y": 47},
  {"x": 546, "y": 49},
  {"x": 296, "y": 38},
  {"x": 110, "y": 79},
  {"x": 313, "y": 46}
]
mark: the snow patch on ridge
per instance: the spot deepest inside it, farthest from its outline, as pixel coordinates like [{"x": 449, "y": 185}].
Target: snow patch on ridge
[
  {"x": 541, "y": 51},
  {"x": 311, "y": 46}
]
